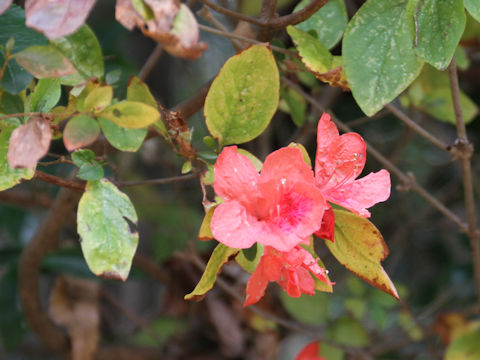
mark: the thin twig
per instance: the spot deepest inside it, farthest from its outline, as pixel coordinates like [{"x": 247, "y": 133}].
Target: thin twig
[
  {"x": 55, "y": 180},
  {"x": 417, "y": 128},
  {"x": 276, "y": 23},
  {"x": 160, "y": 181},
  {"x": 246, "y": 39},
  {"x": 408, "y": 180},
  {"x": 205, "y": 13},
  {"x": 466, "y": 150},
  {"x": 150, "y": 63}
]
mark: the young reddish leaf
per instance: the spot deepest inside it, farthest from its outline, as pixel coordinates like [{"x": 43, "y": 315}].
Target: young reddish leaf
[
  {"x": 310, "y": 352},
  {"x": 220, "y": 256},
  {"x": 80, "y": 131},
  {"x": 131, "y": 114},
  {"x": 29, "y": 143},
  {"x": 172, "y": 25},
  {"x": 10, "y": 177},
  {"x": 4, "y": 5},
  {"x": 57, "y": 18},
  {"x": 44, "y": 61},
  {"x": 360, "y": 247},
  {"x": 98, "y": 99}
]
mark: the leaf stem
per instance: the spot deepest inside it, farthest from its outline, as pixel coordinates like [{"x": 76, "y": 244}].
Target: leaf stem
[{"x": 466, "y": 151}]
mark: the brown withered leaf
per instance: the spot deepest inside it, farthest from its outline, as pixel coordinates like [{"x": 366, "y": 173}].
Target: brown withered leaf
[
  {"x": 29, "y": 143},
  {"x": 57, "y": 18},
  {"x": 4, "y": 5},
  {"x": 173, "y": 25},
  {"x": 74, "y": 305},
  {"x": 334, "y": 77}
]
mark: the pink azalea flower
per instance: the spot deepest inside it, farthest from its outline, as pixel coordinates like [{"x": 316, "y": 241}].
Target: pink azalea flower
[
  {"x": 340, "y": 160},
  {"x": 292, "y": 270},
  {"x": 310, "y": 352},
  {"x": 280, "y": 207}
]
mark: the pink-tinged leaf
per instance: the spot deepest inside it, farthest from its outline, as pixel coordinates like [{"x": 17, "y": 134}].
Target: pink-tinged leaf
[
  {"x": 57, "y": 18},
  {"x": 310, "y": 352},
  {"x": 235, "y": 176},
  {"x": 29, "y": 143},
  {"x": 44, "y": 62},
  {"x": 4, "y": 5},
  {"x": 172, "y": 24},
  {"x": 360, "y": 247},
  {"x": 287, "y": 163},
  {"x": 80, "y": 131},
  {"x": 363, "y": 193}
]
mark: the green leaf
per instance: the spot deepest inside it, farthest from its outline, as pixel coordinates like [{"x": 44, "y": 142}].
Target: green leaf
[
  {"x": 220, "y": 256},
  {"x": 131, "y": 114},
  {"x": 10, "y": 177},
  {"x": 328, "y": 23},
  {"x": 108, "y": 243},
  {"x": 248, "y": 259},
  {"x": 12, "y": 326},
  {"x": 243, "y": 97},
  {"x": 310, "y": 309},
  {"x": 12, "y": 23},
  {"x": 80, "y": 131},
  {"x": 11, "y": 104},
  {"x": 297, "y": 105},
  {"x": 83, "y": 50},
  {"x": 431, "y": 93},
  {"x": 121, "y": 138},
  {"x": 360, "y": 247},
  {"x": 378, "y": 54},
  {"x": 89, "y": 168},
  {"x": 98, "y": 99},
  {"x": 318, "y": 59},
  {"x": 44, "y": 62},
  {"x": 46, "y": 95},
  {"x": 205, "y": 232},
  {"x": 436, "y": 26},
  {"x": 331, "y": 352},
  {"x": 465, "y": 347},
  {"x": 473, "y": 7},
  {"x": 350, "y": 332}
]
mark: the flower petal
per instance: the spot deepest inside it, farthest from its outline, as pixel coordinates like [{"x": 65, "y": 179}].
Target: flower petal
[
  {"x": 286, "y": 164},
  {"x": 363, "y": 193},
  {"x": 310, "y": 352},
  {"x": 256, "y": 286},
  {"x": 293, "y": 213},
  {"x": 235, "y": 176},
  {"x": 339, "y": 159},
  {"x": 233, "y": 226},
  {"x": 327, "y": 231}
]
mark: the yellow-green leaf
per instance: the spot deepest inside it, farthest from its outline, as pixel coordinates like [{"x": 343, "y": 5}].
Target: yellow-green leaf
[
  {"x": 220, "y": 256},
  {"x": 243, "y": 97},
  {"x": 98, "y": 99},
  {"x": 360, "y": 247},
  {"x": 318, "y": 59},
  {"x": 131, "y": 114}
]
